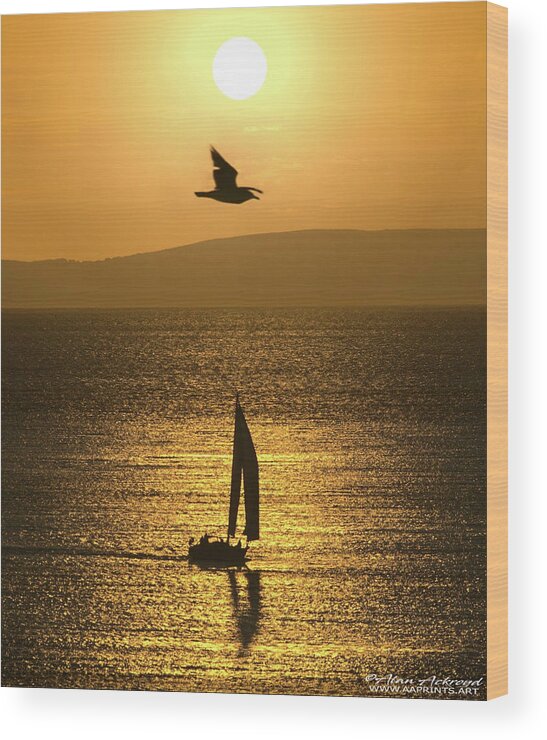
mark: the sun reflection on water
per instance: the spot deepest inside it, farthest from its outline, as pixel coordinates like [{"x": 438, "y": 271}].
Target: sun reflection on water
[{"x": 369, "y": 430}]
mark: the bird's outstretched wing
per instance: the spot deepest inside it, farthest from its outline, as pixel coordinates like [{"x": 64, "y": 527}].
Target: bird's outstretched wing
[{"x": 223, "y": 172}]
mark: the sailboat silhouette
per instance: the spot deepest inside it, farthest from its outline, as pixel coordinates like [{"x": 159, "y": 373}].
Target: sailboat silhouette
[{"x": 244, "y": 467}]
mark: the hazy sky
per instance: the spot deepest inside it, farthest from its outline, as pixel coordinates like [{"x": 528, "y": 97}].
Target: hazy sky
[{"x": 371, "y": 117}]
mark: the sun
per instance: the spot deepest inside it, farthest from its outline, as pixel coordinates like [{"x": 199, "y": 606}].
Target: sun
[{"x": 239, "y": 68}]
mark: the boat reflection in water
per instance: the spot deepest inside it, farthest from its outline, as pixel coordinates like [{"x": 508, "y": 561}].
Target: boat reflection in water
[
  {"x": 246, "y": 603},
  {"x": 246, "y": 598}
]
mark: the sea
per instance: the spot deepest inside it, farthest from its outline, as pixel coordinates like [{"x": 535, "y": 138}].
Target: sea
[{"x": 369, "y": 577}]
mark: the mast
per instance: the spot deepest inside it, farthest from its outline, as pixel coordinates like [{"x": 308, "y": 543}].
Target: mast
[
  {"x": 250, "y": 480},
  {"x": 235, "y": 488},
  {"x": 244, "y": 465}
]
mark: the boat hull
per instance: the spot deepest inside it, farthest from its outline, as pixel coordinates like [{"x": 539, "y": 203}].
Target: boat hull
[{"x": 217, "y": 552}]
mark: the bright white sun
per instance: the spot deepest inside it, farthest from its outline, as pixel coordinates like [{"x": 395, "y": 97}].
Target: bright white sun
[{"x": 239, "y": 68}]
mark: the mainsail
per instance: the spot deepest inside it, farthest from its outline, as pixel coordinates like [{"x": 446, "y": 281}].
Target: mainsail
[{"x": 244, "y": 463}]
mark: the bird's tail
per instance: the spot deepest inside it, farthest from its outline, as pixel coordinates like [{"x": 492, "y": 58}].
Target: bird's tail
[{"x": 202, "y": 195}]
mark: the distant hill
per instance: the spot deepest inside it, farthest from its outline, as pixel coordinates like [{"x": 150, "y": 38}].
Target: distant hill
[{"x": 302, "y": 268}]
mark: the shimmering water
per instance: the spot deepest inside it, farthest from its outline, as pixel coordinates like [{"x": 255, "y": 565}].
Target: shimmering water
[{"x": 370, "y": 432}]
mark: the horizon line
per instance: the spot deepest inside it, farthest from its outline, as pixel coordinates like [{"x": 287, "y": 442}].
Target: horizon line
[
  {"x": 225, "y": 238},
  {"x": 310, "y": 307}
]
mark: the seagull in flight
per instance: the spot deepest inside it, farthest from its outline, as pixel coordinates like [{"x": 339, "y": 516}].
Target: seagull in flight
[{"x": 226, "y": 190}]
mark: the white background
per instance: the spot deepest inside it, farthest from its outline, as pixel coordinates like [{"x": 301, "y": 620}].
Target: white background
[{"x": 79, "y": 715}]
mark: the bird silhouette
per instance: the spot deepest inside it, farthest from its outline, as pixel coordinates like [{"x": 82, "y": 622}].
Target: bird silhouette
[{"x": 226, "y": 190}]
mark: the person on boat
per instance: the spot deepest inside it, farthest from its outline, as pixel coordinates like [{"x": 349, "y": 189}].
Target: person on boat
[{"x": 238, "y": 545}]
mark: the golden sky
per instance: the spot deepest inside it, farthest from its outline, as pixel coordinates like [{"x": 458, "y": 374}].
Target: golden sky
[{"x": 371, "y": 117}]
